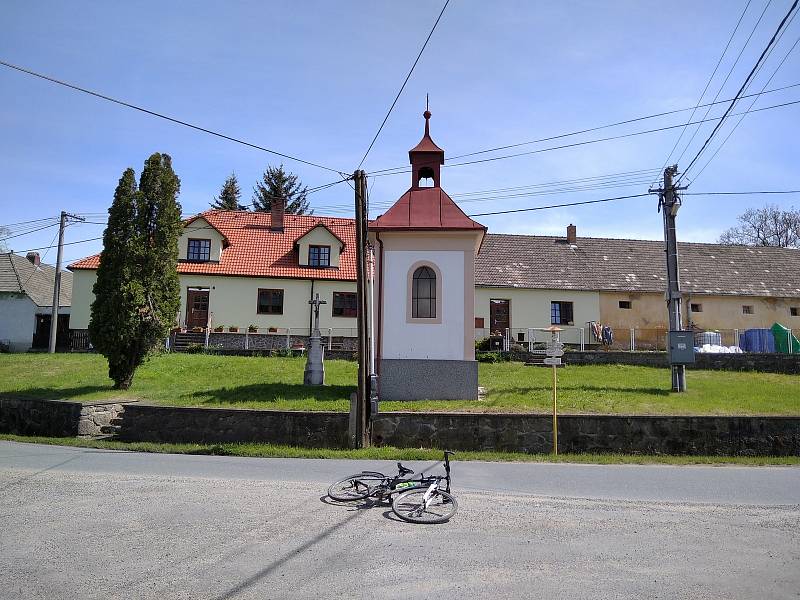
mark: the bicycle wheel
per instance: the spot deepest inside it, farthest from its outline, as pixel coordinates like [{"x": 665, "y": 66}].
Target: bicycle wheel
[
  {"x": 355, "y": 487},
  {"x": 410, "y": 506}
]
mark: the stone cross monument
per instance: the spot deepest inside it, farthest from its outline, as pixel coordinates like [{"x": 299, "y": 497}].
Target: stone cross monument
[{"x": 315, "y": 369}]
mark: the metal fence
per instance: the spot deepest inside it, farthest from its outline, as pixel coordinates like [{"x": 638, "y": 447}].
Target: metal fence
[{"x": 621, "y": 339}]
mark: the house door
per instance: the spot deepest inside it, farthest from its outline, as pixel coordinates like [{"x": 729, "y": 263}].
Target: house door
[
  {"x": 499, "y": 316},
  {"x": 196, "y": 308}
]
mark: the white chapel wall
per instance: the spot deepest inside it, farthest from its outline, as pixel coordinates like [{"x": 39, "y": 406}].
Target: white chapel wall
[{"x": 442, "y": 341}]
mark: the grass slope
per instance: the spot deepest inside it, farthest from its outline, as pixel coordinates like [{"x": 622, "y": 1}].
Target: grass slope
[{"x": 254, "y": 382}]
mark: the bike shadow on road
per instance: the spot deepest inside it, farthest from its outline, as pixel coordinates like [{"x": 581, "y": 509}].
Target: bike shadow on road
[{"x": 366, "y": 505}]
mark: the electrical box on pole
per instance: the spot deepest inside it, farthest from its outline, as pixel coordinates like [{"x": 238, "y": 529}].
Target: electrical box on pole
[{"x": 680, "y": 341}]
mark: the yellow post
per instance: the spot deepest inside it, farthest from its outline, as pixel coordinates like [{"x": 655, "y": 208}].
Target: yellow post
[{"x": 555, "y": 415}]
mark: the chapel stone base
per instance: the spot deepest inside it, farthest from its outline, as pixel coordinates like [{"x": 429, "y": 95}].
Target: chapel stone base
[{"x": 412, "y": 379}]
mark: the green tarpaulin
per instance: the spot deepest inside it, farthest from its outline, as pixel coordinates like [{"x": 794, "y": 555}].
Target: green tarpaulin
[{"x": 782, "y": 335}]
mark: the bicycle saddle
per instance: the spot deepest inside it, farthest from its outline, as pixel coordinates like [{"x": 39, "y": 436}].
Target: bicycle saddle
[{"x": 403, "y": 470}]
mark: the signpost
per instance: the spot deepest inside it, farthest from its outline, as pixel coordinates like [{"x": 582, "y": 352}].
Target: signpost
[{"x": 553, "y": 351}]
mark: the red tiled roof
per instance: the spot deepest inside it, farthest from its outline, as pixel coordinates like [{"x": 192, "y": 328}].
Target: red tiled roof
[
  {"x": 256, "y": 251},
  {"x": 425, "y": 208}
]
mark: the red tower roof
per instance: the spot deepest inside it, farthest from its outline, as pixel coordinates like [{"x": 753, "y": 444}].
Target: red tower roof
[{"x": 426, "y": 208}]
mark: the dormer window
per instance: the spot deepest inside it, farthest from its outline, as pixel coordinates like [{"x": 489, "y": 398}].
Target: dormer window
[
  {"x": 198, "y": 250},
  {"x": 319, "y": 256}
]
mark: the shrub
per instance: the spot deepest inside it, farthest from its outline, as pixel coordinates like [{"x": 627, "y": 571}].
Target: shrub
[
  {"x": 482, "y": 344},
  {"x": 492, "y": 357},
  {"x": 252, "y": 328}
]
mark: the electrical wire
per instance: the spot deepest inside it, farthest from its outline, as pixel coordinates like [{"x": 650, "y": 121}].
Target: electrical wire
[
  {"x": 402, "y": 87},
  {"x": 741, "y": 90},
  {"x": 9, "y": 225},
  {"x": 708, "y": 83},
  {"x": 721, "y": 87},
  {"x": 165, "y": 117},
  {"x": 518, "y": 210},
  {"x": 405, "y": 169},
  {"x": 741, "y": 118},
  {"x": 28, "y": 232}
]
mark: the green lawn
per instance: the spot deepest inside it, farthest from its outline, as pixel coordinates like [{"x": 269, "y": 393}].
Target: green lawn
[{"x": 254, "y": 382}]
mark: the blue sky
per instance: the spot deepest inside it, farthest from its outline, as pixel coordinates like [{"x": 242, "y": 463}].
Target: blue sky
[{"x": 314, "y": 79}]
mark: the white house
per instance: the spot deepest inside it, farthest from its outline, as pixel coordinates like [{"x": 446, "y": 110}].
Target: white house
[
  {"x": 26, "y": 302},
  {"x": 425, "y": 288}
]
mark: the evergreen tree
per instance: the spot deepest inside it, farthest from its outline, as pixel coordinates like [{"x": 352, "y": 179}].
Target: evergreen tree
[
  {"x": 277, "y": 183},
  {"x": 137, "y": 292},
  {"x": 229, "y": 195}
]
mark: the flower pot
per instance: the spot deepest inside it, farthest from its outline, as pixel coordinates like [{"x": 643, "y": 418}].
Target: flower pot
[{"x": 233, "y": 329}]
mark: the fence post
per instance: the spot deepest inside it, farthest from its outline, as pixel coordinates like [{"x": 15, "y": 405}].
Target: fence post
[
  {"x": 633, "y": 339},
  {"x": 288, "y": 337},
  {"x": 208, "y": 332},
  {"x": 330, "y": 338},
  {"x": 789, "y": 340},
  {"x": 736, "y": 337},
  {"x": 506, "y": 342},
  {"x": 247, "y": 339},
  {"x": 530, "y": 339}
]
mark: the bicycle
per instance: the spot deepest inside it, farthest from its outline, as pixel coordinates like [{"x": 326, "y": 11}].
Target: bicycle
[{"x": 418, "y": 501}]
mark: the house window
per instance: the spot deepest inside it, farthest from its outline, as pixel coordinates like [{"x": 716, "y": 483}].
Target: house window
[
  {"x": 696, "y": 307},
  {"x": 319, "y": 256},
  {"x": 747, "y": 309},
  {"x": 199, "y": 250},
  {"x": 423, "y": 294},
  {"x": 561, "y": 313},
  {"x": 794, "y": 311},
  {"x": 626, "y": 304},
  {"x": 270, "y": 302},
  {"x": 345, "y": 304}
]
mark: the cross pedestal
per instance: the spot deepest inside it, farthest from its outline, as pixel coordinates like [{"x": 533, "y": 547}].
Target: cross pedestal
[{"x": 315, "y": 367}]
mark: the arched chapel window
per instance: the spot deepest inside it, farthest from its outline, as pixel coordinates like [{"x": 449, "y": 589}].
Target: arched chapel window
[{"x": 423, "y": 294}]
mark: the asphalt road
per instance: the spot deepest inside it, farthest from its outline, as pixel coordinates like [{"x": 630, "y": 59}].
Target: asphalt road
[{"x": 78, "y": 523}]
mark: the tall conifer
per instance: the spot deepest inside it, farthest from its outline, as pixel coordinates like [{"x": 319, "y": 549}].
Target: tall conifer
[
  {"x": 278, "y": 183},
  {"x": 229, "y": 195},
  {"x": 137, "y": 293}
]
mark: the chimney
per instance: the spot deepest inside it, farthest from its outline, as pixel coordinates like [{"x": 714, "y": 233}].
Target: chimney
[
  {"x": 572, "y": 234},
  {"x": 277, "y": 208},
  {"x": 34, "y": 258}
]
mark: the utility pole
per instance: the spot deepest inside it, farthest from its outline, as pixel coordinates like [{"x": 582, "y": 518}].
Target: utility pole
[
  {"x": 362, "y": 437},
  {"x": 670, "y": 203},
  {"x": 57, "y": 283}
]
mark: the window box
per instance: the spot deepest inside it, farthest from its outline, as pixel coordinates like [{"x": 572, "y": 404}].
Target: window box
[
  {"x": 252, "y": 328},
  {"x": 233, "y": 329},
  {"x": 219, "y": 328},
  {"x": 273, "y": 330}
]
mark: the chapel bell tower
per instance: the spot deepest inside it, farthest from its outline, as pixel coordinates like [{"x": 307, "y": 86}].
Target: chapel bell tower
[{"x": 424, "y": 301}]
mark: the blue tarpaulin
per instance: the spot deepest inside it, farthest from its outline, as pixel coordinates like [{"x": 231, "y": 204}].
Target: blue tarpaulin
[{"x": 757, "y": 340}]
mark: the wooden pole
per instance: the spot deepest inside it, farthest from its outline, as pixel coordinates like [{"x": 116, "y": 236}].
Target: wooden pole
[{"x": 555, "y": 414}]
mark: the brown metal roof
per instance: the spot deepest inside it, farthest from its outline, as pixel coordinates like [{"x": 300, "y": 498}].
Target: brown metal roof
[
  {"x": 427, "y": 209},
  {"x": 544, "y": 262}
]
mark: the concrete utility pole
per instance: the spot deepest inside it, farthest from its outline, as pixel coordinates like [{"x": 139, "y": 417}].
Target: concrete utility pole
[
  {"x": 362, "y": 404},
  {"x": 57, "y": 283},
  {"x": 670, "y": 203}
]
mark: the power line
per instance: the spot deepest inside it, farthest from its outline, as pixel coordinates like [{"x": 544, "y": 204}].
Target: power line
[
  {"x": 29, "y": 232},
  {"x": 405, "y": 169},
  {"x": 739, "y": 122},
  {"x": 741, "y": 193},
  {"x": 165, "y": 117},
  {"x": 708, "y": 83},
  {"x": 730, "y": 71},
  {"x": 517, "y": 210},
  {"x": 594, "y": 141},
  {"x": 402, "y": 87},
  {"x": 31, "y": 221},
  {"x": 741, "y": 89}
]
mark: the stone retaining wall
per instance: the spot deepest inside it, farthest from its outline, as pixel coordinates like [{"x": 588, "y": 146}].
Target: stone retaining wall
[
  {"x": 710, "y": 435},
  {"x": 592, "y": 433},
  {"x": 272, "y": 341},
  {"x": 219, "y": 425},
  {"x": 766, "y": 363},
  {"x": 54, "y": 418}
]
